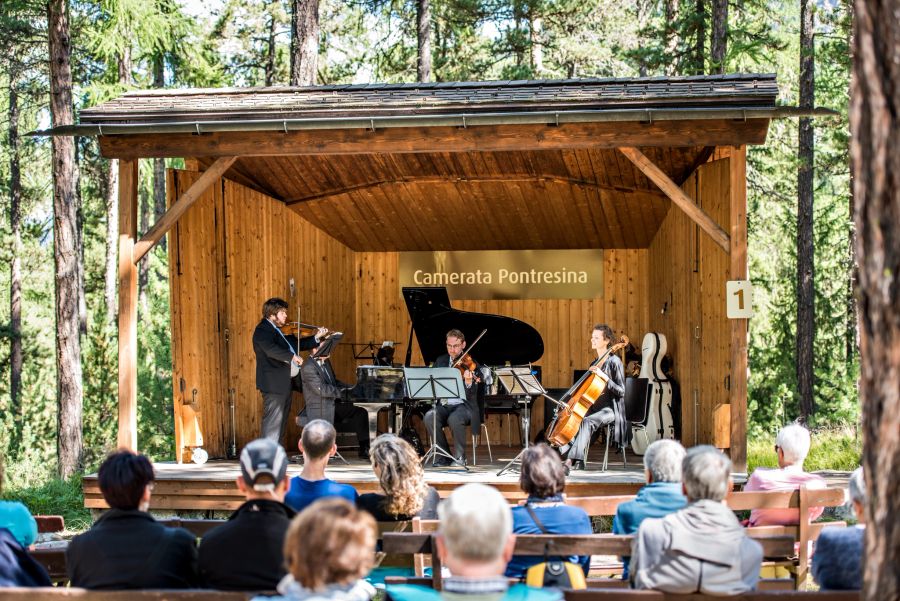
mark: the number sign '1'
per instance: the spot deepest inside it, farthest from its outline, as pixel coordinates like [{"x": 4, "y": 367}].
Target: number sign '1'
[{"x": 739, "y": 299}]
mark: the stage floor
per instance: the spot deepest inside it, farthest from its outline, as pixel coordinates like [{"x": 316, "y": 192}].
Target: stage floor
[{"x": 211, "y": 487}]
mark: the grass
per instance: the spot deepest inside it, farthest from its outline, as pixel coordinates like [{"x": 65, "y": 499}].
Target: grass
[
  {"x": 55, "y": 497},
  {"x": 836, "y": 450}
]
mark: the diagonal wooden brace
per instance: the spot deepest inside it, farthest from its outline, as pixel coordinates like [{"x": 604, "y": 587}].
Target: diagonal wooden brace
[
  {"x": 677, "y": 195},
  {"x": 165, "y": 223}
]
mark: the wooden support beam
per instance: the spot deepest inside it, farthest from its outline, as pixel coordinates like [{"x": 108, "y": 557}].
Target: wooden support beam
[
  {"x": 681, "y": 200},
  {"x": 505, "y": 178},
  {"x": 710, "y": 132},
  {"x": 738, "y": 271},
  {"x": 128, "y": 296},
  {"x": 159, "y": 229}
]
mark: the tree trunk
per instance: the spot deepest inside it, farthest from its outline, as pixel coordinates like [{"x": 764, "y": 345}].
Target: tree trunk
[
  {"x": 423, "y": 37},
  {"x": 15, "y": 275},
  {"x": 270, "y": 53},
  {"x": 112, "y": 240},
  {"x": 671, "y": 32},
  {"x": 806, "y": 289},
  {"x": 65, "y": 241},
  {"x": 719, "y": 36},
  {"x": 875, "y": 157},
  {"x": 537, "y": 50},
  {"x": 159, "y": 165},
  {"x": 304, "y": 41},
  {"x": 700, "y": 40}
]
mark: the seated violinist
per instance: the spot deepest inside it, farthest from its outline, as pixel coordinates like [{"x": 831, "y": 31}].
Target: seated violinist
[
  {"x": 609, "y": 407},
  {"x": 456, "y": 413}
]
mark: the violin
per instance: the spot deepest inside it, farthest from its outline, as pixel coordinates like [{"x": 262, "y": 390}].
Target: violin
[
  {"x": 579, "y": 399},
  {"x": 301, "y": 330},
  {"x": 465, "y": 362}
]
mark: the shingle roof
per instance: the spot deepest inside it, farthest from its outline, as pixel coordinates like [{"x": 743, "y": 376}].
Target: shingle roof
[{"x": 379, "y": 100}]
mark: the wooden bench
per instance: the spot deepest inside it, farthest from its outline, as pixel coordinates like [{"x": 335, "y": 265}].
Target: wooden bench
[
  {"x": 553, "y": 544},
  {"x": 54, "y": 559},
  {"x": 49, "y": 523},
  {"x": 804, "y": 533},
  {"x": 40, "y": 594},
  {"x": 616, "y": 595}
]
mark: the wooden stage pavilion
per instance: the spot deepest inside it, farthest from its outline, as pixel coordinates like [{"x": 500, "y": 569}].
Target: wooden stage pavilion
[{"x": 325, "y": 186}]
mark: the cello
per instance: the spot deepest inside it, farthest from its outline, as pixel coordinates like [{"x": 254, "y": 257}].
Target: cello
[{"x": 574, "y": 405}]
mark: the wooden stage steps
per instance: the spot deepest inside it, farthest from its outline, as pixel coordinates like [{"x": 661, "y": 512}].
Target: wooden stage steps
[{"x": 211, "y": 487}]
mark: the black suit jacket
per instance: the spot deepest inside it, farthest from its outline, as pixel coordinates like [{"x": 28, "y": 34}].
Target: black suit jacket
[
  {"x": 273, "y": 357},
  {"x": 471, "y": 399},
  {"x": 321, "y": 389},
  {"x": 128, "y": 549},
  {"x": 247, "y": 553}
]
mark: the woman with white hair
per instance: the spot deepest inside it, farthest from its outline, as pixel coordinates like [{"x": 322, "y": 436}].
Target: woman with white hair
[
  {"x": 701, "y": 548},
  {"x": 661, "y": 496},
  {"x": 792, "y": 447},
  {"x": 837, "y": 564}
]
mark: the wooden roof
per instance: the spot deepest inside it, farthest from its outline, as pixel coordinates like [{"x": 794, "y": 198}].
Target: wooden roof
[
  {"x": 456, "y": 165},
  {"x": 375, "y": 100}
]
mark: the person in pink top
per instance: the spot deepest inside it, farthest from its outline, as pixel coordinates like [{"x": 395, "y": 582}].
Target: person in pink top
[{"x": 792, "y": 446}]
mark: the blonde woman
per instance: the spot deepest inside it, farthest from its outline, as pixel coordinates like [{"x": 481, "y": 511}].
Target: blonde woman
[
  {"x": 402, "y": 479},
  {"x": 328, "y": 549}
]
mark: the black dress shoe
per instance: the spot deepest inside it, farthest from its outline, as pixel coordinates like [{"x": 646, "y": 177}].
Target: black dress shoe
[
  {"x": 363, "y": 453},
  {"x": 441, "y": 462},
  {"x": 577, "y": 465}
]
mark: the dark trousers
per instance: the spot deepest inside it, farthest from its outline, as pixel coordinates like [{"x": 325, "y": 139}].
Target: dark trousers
[
  {"x": 589, "y": 425},
  {"x": 455, "y": 416},
  {"x": 350, "y": 418},
  {"x": 275, "y": 411}
]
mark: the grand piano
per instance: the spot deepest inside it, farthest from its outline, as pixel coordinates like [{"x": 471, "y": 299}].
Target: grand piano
[{"x": 507, "y": 342}]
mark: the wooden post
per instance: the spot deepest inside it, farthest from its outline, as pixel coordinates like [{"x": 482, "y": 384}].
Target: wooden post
[
  {"x": 738, "y": 271},
  {"x": 128, "y": 276},
  {"x": 677, "y": 195}
]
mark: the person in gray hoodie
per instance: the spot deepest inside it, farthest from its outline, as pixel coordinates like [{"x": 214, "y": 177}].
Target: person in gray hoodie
[{"x": 701, "y": 548}]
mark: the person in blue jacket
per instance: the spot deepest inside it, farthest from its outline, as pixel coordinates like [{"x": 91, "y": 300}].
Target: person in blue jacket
[
  {"x": 661, "y": 495},
  {"x": 543, "y": 479},
  {"x": 837, "y": 563}
]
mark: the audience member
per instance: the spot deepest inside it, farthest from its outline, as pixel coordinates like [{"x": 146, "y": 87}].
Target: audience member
[
  {"x": 126, "y": 548},
  {"x": 837, "y": 563},
  {"x": 16, "y": 518},
  {"x": 402, "y": 479},
  {"x": 475, "y": 541},
  {"x": 318, "y": 446},
  {"x": 701, "y": 548},
  {"x": 329, "y": 547},
  {"x": 792, "y": 446},
  {"x": 661, "y": 496},
  {"x": 246, "y": 553},
  {"x": 543, "y": 479}
]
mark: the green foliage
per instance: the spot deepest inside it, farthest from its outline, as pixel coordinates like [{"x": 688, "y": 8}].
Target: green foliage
[
  {"x": 52, "y": 496},
  {"x": 375, "y": 40}
]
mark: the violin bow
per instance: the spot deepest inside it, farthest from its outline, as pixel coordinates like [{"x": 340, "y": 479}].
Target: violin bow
[{"x": 466, "y": 352}]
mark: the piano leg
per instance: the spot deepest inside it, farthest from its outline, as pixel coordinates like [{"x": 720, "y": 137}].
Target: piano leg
[{"x": 372, "y": 409}]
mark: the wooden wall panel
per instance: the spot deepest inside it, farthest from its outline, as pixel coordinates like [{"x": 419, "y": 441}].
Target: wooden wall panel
[
  {"x": 246, "y": 247},
  {"x": 197, "y": 361},
  {"x": 687, "y": 272},
  {"x": 565, "y": 325}
]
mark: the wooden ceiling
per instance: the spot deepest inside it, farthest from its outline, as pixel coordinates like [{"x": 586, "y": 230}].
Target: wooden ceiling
[{"x": 584, "y": 198}]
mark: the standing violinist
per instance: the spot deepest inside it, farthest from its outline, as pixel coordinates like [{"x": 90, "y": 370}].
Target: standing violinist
[
  {"x": 609, "y": 407},
  {"x": 275, "y": 355},
  {"x": 456, "y": 413}
]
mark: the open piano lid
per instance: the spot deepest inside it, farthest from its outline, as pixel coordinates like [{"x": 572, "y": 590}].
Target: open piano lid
[{"x": 507, "y": 340}]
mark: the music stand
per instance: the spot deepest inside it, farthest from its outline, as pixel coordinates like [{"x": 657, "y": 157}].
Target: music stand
[
  {"x": 433, "y": 384},
  {"x": 519, "y": 381}
]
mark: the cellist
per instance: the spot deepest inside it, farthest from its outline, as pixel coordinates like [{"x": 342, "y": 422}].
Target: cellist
[{"x": 609, "y": 407}]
